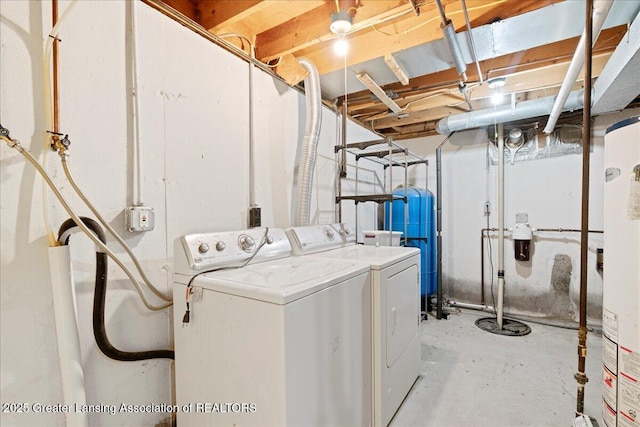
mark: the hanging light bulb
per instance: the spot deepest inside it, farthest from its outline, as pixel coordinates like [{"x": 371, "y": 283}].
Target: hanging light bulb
[
  {"x": 497, "y": 98},
  {"x": 340, "y": 26},
  {"x": 341, "y": 46}
]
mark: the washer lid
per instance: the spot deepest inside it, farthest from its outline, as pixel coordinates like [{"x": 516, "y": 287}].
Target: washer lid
[
  {"x": 281, "y": 281},
  {"x": 377, "y": 257}
]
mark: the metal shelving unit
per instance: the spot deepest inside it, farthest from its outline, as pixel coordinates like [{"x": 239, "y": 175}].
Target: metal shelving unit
[{"x": 389, "y": 154}]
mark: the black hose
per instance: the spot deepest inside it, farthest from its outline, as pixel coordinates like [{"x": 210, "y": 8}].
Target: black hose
[{"x": 99, "y": 298}]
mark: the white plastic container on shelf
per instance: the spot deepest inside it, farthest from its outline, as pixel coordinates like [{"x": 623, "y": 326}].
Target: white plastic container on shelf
[{"x": 381, "y": 237}]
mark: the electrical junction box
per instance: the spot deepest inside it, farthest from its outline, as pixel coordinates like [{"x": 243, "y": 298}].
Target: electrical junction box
[{"x": 139, "y": 218}]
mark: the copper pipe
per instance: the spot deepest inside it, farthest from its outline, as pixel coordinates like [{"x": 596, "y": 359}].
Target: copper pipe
[
  {"x": 580, "y": 376},
  {"x": 56, "y": 107}
]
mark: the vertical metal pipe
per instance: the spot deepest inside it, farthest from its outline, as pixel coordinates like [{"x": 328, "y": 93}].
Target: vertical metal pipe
[
  {"x": 56, "y": 107},
  {"x": 580, "y": 376},
  {"x": 471, "y": 41},
  {"x": 499, "y": 304},
  {"x": 343, "y": 155},
  {"x": 441, "y": 9},
  {"x": 439, "y": 301},
  {"x": 482, "y": 266}
]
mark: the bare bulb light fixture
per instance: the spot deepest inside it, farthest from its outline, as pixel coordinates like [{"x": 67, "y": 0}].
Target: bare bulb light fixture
[
  {"x": 497, "y": 84},
  {"x": 340, "y": 25}
]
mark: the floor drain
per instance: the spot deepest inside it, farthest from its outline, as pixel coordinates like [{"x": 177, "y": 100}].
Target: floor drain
[{"x": 511, "y": 328}]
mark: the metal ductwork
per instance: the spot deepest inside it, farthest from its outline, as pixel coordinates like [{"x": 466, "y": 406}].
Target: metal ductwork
[
  {"x": 507, "y": 113},
  {"x": 601, "y": 9},
  {"x": 308, "y": 147}
]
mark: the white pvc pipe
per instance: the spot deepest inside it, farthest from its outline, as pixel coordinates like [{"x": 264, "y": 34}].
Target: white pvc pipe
[
  {"x": 601, "y": 9},
  {"x": 252, "y": 147},
  {"x": 499, "y": 303},
  {"x": 64, "y": 308},
  {"x": 138, "y": 196}
]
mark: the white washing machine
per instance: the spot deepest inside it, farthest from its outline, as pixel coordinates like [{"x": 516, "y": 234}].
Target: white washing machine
[
  {"x": 395, "y": 278},
  {"x": 282, "y": 341}
]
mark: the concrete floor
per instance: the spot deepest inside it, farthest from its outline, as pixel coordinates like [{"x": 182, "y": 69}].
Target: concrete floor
[{"x": 474, "y": 378}]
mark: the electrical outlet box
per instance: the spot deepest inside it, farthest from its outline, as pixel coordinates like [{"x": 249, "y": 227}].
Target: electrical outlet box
[
  {"x": 139, "y": 218},
  {"x": 255, "y": 219}
]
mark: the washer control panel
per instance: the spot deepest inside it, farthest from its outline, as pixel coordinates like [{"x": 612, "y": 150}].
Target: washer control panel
[
  {"x": 205, "y": 251},
  {"x": 317, "y": 238}
]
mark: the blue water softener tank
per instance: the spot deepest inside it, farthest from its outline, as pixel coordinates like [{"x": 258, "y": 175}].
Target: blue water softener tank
[{"x": 421, "y": 230}]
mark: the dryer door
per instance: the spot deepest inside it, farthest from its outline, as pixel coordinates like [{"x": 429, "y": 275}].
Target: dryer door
[{"x": 402, "y": 306}]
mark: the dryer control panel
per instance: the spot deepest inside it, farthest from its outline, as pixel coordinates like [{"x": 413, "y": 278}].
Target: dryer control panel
[
  {"x": 194, "y": 253},
  {"x": 317, "y": 238}
]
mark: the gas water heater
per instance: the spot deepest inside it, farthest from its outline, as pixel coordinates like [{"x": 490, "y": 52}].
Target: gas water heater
[{"x": 621, "y": 276}]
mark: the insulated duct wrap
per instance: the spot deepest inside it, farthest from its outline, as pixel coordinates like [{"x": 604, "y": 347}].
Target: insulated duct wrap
[
  {"x": 308, "y": 148},
  {"x": 506, "y": 113},
  {"x": 449, "y": 34}
]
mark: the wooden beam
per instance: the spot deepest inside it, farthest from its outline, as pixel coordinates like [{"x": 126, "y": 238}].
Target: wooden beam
[
  {"x": 216, "y": 14},
  {"x": 396, "y": 68},
  {"x": 185, "y": 7},
  {"x": 544, "y": 77},
  {"x": 313, "y": 27},
  {"x": 550, "y": 54},
  {"x": 376, "y": 41}
]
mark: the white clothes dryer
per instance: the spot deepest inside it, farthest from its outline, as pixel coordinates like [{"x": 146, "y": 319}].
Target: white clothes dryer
[
  {"x": 282, "y": 341},
  {"x": 395, "y": 278}
]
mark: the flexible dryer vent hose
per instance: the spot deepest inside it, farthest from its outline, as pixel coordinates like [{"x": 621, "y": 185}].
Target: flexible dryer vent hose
[{"x": 308, "y": 147}]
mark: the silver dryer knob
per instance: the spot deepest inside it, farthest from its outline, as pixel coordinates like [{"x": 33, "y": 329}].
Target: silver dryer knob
[
  {"x": 203, "y": 248},
  {"x": 246, "y": 243},
  {"x": 220, "y": 246},
  {"x": 329, "y": 233}
]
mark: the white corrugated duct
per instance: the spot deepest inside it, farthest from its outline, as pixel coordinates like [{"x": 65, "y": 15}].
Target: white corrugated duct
[
  {"x": 601, "y": 9},
  {"x": 507, "y": 113},
  {"x": 309, "y": 145}
]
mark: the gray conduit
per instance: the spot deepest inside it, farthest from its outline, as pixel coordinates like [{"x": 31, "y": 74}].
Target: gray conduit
[{"x": 309, "y": 145}]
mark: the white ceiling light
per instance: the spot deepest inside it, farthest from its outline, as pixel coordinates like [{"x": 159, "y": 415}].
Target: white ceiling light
[
  {"x": 496, "y": 83},
  {"x": 497, "y": 98},
  {"x": 340, "y": 23}
]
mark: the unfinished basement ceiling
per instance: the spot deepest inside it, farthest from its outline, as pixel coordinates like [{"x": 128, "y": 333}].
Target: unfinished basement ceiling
[{"x": 528, "y": 42}]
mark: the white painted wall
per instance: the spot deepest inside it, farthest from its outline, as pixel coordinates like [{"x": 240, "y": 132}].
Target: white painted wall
[
  {"x": 194, "y": 136},
  {"x": 549, "y": 190}
]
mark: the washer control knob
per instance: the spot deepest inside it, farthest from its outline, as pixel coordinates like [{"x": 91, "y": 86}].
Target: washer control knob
[
  {"x": 329, "y": 233},
  {"x": 269, "y": 240},
  {"x": 246, "y": 243},
  {"x": 220, "y": 246},
  {"x": 203, "y": 248},
  {"x": 344, "y": 231}
]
